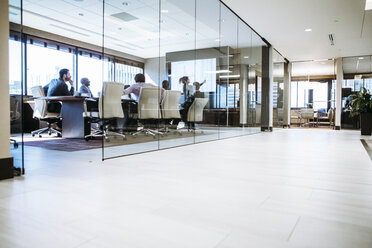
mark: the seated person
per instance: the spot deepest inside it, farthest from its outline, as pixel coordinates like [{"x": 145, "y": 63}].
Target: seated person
[
  {"x": 84, "y": 88},
  {"x": 136, "y": 88},
  {"x": 165, "y": 85},
  {"x": 58, "y": 87},
  {"x": 198, "y": 93}
]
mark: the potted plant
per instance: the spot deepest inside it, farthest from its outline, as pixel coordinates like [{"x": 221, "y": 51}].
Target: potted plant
[{"x": 361, "y": 105}]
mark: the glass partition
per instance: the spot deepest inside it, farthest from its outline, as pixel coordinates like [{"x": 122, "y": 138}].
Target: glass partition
[
  {"x": 147, "y": 75},
  {"x": 16, "y": 85}
]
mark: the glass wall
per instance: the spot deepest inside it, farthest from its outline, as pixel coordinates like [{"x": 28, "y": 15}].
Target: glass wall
[
  {"x": 16, "y": 87},
  {"x": 201, "y": 65}
]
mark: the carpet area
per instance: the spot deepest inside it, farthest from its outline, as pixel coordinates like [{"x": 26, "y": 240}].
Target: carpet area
[{"x": 62, "y": 144}]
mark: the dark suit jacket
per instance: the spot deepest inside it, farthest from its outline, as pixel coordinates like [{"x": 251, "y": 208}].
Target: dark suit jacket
[{"x": 58, "y": 87}]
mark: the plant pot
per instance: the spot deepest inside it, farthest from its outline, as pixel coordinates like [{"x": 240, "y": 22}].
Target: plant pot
[{"x": 366, "y": 123}]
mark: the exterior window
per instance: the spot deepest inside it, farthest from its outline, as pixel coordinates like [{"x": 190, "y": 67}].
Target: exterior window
[{"x": 44, "y": 63}]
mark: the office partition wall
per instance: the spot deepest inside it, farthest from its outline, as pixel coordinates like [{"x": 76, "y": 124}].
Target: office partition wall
[{"x": 210, "y": 58}]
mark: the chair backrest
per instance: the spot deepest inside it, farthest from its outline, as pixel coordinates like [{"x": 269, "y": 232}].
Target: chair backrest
[
  {"x": 195, "y": 113},
  {"x": 41, "y": 105},
  {"x": 307, "y": 113},
  {"x": 148, "y": 103},
  {"x": 14, "y": 109},
  {"x": 170, "y": 105},
  {"x": 109, "y": 105},
  {"x": 330, "y": 116}
]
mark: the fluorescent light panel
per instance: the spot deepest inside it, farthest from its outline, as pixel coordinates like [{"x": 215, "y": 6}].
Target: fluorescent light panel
[
  {"x": 368, "y": 5},
  {"x": 230, "y": 76}
]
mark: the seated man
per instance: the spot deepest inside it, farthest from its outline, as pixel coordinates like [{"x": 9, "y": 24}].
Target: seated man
[
  {"x": 58, "y": 87},
  {"x": 84, "y": 88},
  {"x": 136, "y": 88}
]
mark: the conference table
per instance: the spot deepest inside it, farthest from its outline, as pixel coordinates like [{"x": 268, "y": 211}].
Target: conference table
[{"x": 73, "y": 125}]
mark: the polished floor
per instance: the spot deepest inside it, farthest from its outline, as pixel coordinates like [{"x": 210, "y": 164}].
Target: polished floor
[{"x": 290, "y": 188}]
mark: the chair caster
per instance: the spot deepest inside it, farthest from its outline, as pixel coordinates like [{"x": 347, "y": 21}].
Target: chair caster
[
  {"x": 33, "y": 135},
  {"x": 50, "y": 133},
  {"x": 15, "y": 145},
  {"x": 40, "y": 136},
  {"x": 59, "y": 135}
]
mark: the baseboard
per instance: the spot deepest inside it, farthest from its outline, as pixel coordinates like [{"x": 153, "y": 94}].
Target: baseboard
[
  {"x": 6, "y": 168},
  {"x": 266, "y": 129},
  {"x": 337, "y": 128}
]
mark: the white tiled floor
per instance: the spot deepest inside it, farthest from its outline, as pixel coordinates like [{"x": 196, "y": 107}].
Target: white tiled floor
[{"x": 289, "y": 188}]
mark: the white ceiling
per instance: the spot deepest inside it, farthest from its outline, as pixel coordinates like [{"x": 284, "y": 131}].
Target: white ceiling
[
  {"x": 283, "y": 22},
  {"x": 83, "y": 20}
]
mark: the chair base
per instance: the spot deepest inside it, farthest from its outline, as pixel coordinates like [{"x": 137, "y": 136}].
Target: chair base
[
  {"x": 15, "y": 144},
  {"x": 104, "y": 134},
  {"x": 48, "y": 129},
  {"x": 148, "y": 131}
]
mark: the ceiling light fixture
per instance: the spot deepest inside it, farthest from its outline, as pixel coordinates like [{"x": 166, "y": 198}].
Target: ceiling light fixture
[
  {"x": 217, "y": 40},
  {"x": 219, "y": 71},
  {"x": 164, "y": 11},
  {"x": 230, "y": 76},
  {"x": 246, "y": 57},
  {"x": 308, "y": 30},
  {"x": 361, "y": 58},
  {"x": 368, "y": 5}
]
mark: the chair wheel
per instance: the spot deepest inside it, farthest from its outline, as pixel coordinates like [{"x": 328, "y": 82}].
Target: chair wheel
[
  {"x": 33, "y": 135},
  {"x": 50, "y": 133},
  {"x": 15, "y": 145},
  {"x": 40, "y": 136}
]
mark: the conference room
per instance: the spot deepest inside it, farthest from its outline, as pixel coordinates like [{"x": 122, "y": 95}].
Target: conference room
[{"x": 210, "y": 58}]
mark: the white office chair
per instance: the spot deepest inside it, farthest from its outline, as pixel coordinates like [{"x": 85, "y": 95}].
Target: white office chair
[
  {"x": 306, "y": 114},
  {"x": 195, "y": 112},
  {"x": 170, "y": 106},
  {"x": 149, "y": 109},
  {"x": 109, "y": 109},
  {"x": 41, "y": 113}
]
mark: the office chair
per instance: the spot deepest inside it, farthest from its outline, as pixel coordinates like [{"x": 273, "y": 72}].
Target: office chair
[
  {"x": 109, "y": 109},
  {"x": 195, "y": 112},
  {"x": 328, "y": 118},
  {"x": 41, "y": 113},
  {"x": 15, "y": 115},
  {"x": 306, "y": 114},
  {"x": 170, "y": 109},
  {"x": 148, "y": 109}
]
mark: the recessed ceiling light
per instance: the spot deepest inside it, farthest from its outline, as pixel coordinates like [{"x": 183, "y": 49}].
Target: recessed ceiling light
[
  {"x": 217, "y": 40},
  {"x": 246, "y": 57},
  {"x": 308, "y": 30},
  {"x": 361, "y": 58},
  {"x": 164, "y": 11},
  {"x": 81, "y": 14}
]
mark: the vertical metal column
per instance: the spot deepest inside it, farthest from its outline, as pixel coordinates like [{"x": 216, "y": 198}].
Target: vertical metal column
[
  {"x": 287, "y": 94},
  {"x": 267, "y": 89},
  {"x": 339, "y": 80}
]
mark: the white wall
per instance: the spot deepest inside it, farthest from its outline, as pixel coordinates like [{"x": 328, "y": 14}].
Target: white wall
[
  {"x": 4, "y": 81},
  {"x": 152, "y": 70}
]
